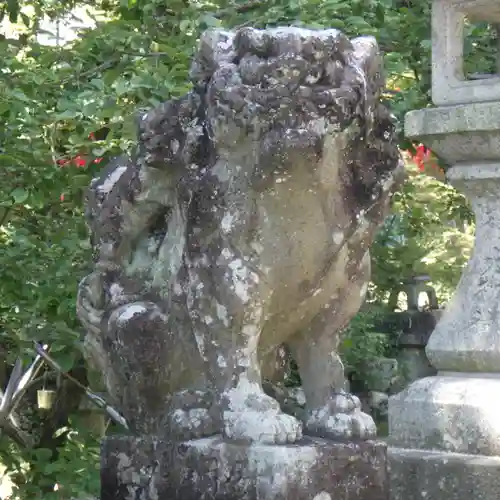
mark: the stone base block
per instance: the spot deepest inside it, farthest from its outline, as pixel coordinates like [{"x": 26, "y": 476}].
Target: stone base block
[
  {"x": 453, "y": 412},
  {"x": 211, "y": 469},
  {"x": 438, "y": 475}
]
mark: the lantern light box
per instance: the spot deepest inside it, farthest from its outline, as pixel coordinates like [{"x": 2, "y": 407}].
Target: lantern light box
[{"x": 449, "y": 83}]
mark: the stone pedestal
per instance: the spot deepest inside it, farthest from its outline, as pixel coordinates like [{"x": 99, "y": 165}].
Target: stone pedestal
[
  {"x": 211, "y": 469},
  {"x": 444, "y": 431},
  {"x": 425, "y": 474}
]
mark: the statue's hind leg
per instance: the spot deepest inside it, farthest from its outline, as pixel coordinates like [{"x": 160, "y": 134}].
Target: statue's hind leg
[
  {"x": 161, "y": 374},
  {"x": 331, "y": 412}
]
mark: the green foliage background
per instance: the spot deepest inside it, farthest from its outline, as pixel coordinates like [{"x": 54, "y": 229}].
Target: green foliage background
[{"x": 136, "y": 55}]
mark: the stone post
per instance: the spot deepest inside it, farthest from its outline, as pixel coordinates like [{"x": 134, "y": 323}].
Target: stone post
[{"x": 444, "y": 430}]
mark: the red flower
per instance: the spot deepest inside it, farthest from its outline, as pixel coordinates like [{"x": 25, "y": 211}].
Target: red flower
[
  {"x": 63, "y": 162},
  {"x": 421, "y": 155},
  {"x": 422, "y": 158},
  {"x": 61, "y": 197},
  {"x": 79, "y": 161}
]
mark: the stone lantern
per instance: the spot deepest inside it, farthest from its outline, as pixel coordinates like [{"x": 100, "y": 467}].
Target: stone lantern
[
  {"x": 413, "y": 288},
  {"x": 445, "y": 429},
  {"x": 418, "y": 327},
  {"x": 449, "y": 85}
]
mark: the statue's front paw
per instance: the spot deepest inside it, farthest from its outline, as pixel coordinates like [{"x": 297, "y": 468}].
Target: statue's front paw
[
  {"x": 192, "y": 424},
  {"x": 269, "y": 427},
  {"x": 260, "y": 420},
  {"x": 341, "y": 418}
]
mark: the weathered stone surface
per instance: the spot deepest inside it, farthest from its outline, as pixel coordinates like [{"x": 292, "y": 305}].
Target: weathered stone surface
[
  {"x": 464, "y": 133},
  {"x": 457, "y": 412},
  {"x": 449, "y": 85},
  {"x": 445, "y": 429},
  {"x": 243, "y": 222},
  {"x": 467, "y": 338},
  {"x": 437, "y": 475},
  {"x": 213, "y": 469}
]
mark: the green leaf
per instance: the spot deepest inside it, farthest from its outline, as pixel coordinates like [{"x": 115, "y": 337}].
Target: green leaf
[
  {"x": 111, "y": 75},
  {"x": 357, "y": 22},
  {"x": 380, "y": 12},
  {"x": 13, "y": 10},
  {"x": 121, "y": 87},
  {"x": 52, "y": 467},
  {"x": 20, "y": 195},
  {"x": 99, "y": 151},
  {"x": 19, "y": 94},
  {"x": 208, "y": 21},
  {"x": 42, "y": 454},
  {"x": 184, "y": 25},
  {"x": 97, "y": 83},
  {"x": 65, "y": 360},
  {"x": 80, "y": 180},
  {"x": 26, "y": 20},
  {"x": 85, "y": 244},
  {"x": 67, "y": 114}
]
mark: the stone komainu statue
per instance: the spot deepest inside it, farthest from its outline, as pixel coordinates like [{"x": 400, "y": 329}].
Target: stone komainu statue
[{"x": 242, "y": 223}]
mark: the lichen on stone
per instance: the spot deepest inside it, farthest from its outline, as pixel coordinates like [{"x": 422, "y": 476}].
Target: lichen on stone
[{"x": 242, "y": 223}]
